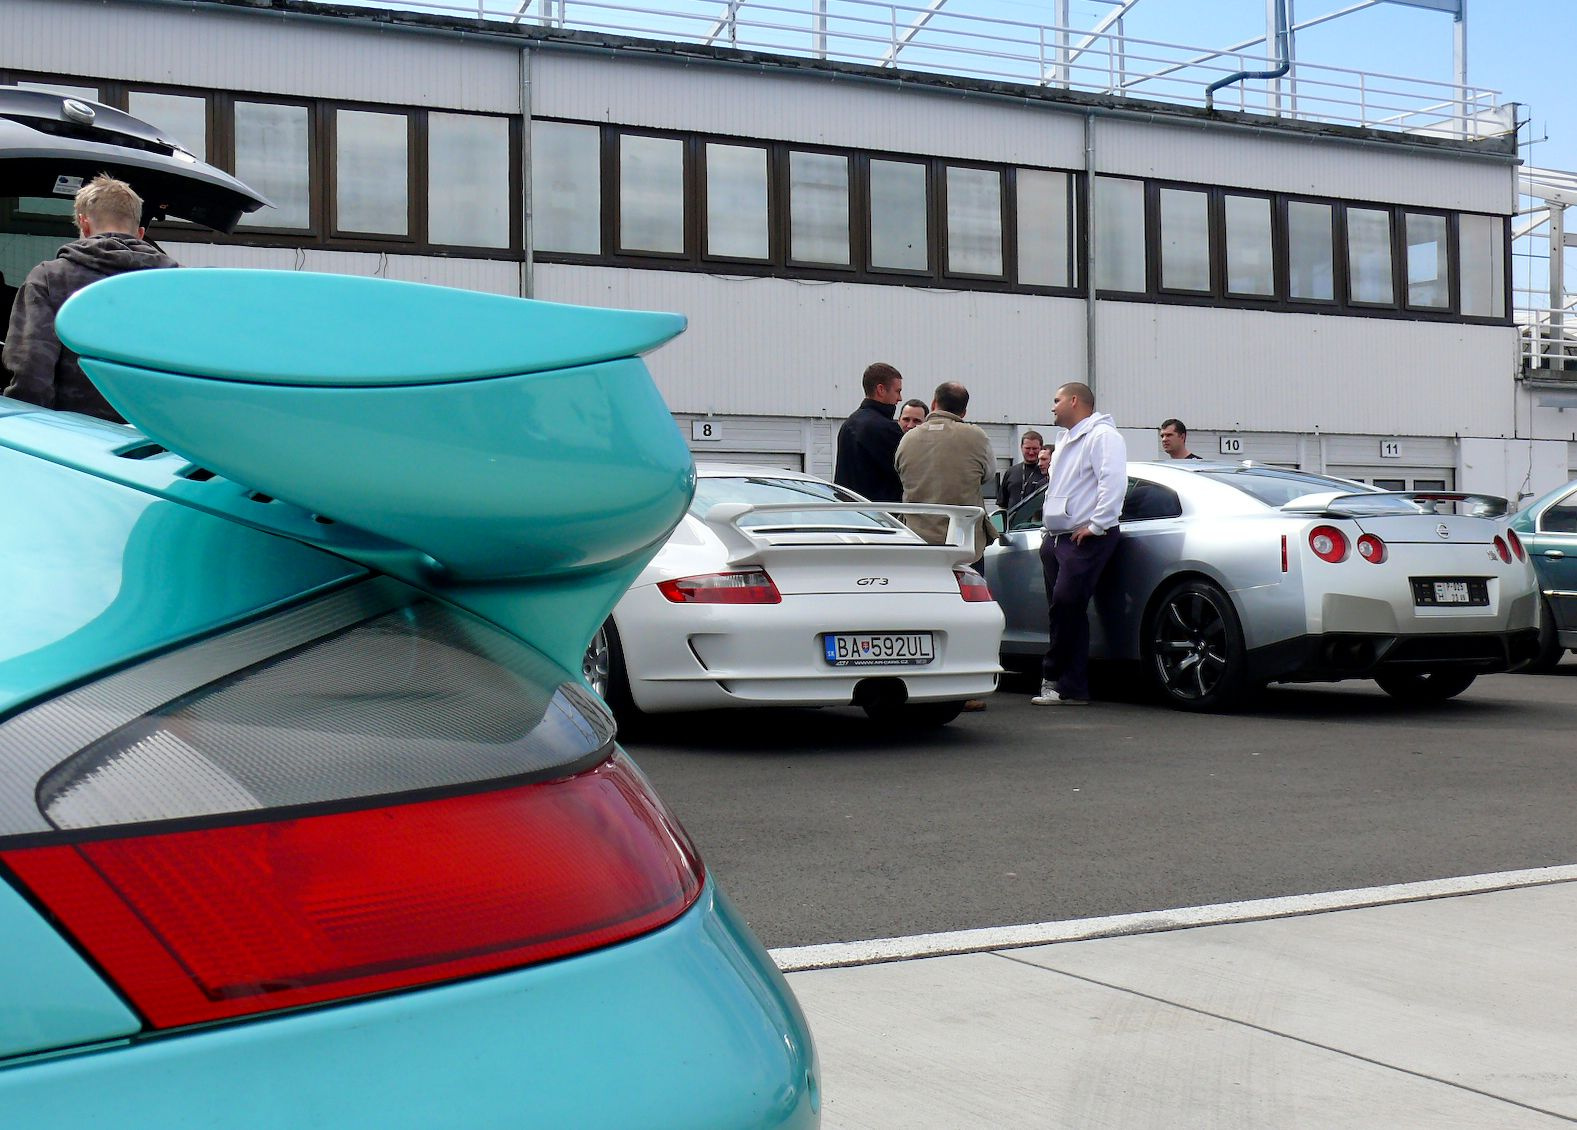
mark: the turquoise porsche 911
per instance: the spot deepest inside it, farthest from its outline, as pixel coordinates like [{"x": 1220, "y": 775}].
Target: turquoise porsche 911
[{"x": 307, "y": 817}]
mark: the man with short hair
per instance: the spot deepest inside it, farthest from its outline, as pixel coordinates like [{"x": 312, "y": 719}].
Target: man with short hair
[
  {"x": 1023, "y": 479},
  {"x": 912, "y": 414},
  {"x": 947, "y": 461},
  {"x": 1084, "y": 497},
  {"x": 44, "y": 371},
  {"x": 1174, "y": 440},
  {"x": 869, "y": 438}
]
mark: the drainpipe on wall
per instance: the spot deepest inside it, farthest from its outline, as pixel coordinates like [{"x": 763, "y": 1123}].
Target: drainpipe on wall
[
  {"x": 1283, "y": 60},
  {"x": 527, "y": 260},
  {"x": 1092, "y": 255}
]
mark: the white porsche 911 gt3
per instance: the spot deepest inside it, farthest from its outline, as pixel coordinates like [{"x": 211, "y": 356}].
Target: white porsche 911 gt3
[{"x": 781, "y": 589}]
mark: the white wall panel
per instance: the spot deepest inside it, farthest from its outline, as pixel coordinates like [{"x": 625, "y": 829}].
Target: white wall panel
[
  {"x": 1225, "y": 370},
  {"x": 780, "y": 347},
  {"x": 1306, "y": 164},
  {"x": 820, "y": 109},
  {"x": 490, "y": 276},
  {"x": 259, "y": 51}
]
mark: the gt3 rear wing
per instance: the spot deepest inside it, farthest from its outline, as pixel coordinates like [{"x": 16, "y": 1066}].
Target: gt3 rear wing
[
  {"x": 1373, "y": 504},
  {"x": 745, "y": 545}
]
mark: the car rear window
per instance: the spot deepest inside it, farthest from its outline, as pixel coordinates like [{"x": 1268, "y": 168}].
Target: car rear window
[
  {"x": 417, "y": 698},
  {"x": 764, "y": 491},
  {"x": 1277, "y": 488}
]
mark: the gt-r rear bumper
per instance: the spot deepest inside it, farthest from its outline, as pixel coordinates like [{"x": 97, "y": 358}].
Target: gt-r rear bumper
[{"x": 1358, "y": 655}]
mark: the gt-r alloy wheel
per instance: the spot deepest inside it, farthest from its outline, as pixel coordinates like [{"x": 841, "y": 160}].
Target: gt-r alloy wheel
[{"x": 1194, "y": 648}]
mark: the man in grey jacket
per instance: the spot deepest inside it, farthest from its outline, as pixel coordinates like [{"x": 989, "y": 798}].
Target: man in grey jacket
[
  {"x": 43, "y": 371},
  {"x": 945, "y": 461}
]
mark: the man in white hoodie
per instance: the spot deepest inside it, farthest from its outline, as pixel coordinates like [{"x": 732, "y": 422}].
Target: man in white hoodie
[{"x": 1085, "y": 485}]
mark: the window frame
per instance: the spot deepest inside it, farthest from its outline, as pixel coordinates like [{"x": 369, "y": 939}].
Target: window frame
[
  {"x": 1453, "y": 257},
  {"x": 781, "y": 187},
  {"x": 703, "y": 205},
  {"x": 415, "y": 178},
  {"x": 1004, "y": 218}
]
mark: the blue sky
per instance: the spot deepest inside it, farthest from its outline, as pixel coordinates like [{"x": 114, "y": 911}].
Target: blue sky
[{"x": 1525, "y": 49}]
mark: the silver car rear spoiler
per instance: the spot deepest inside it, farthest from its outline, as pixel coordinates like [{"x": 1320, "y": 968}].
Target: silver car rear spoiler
[
  {"x": 1371, "y": 504},
  {"x": 744, "y": 546}
]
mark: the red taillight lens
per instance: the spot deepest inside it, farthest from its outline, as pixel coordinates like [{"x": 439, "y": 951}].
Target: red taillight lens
[
  {"x": 219, "y": 922},
  {"x": 1502, "y": 549},
  {"x": 1371, "y": 549},
  {"x": 750, "y": 587},
  {"x": 971, "y": 585},
  {"x": 1328, "y": 543},
  {"x": 1516, "y": 545}
]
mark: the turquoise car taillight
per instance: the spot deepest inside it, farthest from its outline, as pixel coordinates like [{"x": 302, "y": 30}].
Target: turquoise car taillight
[{"x": 209, "y": 923}]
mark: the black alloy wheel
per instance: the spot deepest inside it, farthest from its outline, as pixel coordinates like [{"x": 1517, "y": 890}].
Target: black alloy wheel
[
  {"x": 1427, "y": 685},
  {"x": 1194, "y": 648}
]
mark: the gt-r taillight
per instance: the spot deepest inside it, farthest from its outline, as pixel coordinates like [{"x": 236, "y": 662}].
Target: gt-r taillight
[
  {"x": 1502, "y": 550},
  {"x": 211, "y": 923},
  {"x": 751, "y": 586},
  {"x": 1328, "y": 543},
  {"x": 1516, "y": 545},
  {"x": 971, "y": 585},
  {"x": 1371, "y": 549}
]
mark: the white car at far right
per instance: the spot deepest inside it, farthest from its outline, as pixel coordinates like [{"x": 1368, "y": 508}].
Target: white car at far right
[{"x": 781, "y": 589}]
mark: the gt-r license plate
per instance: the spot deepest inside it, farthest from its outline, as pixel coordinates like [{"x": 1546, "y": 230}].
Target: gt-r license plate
[
  {"x": 885, "y": 649},
  {"x": 1443, "y": 592}
]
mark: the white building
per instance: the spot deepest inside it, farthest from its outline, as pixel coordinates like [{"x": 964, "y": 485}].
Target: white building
[{"x": 1329, "y": 296}]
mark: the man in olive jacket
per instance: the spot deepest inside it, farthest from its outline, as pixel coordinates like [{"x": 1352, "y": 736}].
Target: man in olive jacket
[{"x": 946, "y": 461}]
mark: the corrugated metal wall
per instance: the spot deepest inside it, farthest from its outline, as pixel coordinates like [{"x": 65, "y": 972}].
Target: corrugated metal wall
[
  {"x": 806, "y": 107},
  {"x": 487, "y": 275},
  {"x": 1224, "y": 370},
  {"x": 251, "y": 51},
  {"x": 1303, "y": 164},
  {"x": 798, "y": 348}
]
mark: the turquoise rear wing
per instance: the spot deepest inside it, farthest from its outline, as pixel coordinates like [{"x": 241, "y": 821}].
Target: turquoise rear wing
[{"x": 514, "y": 454}]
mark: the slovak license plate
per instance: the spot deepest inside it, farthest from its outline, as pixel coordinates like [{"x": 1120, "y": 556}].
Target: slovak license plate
[{"x": 871, "y": 649}]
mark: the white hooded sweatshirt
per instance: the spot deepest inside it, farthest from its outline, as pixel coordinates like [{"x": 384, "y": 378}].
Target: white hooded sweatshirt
[{"x": 1088, "y": 477}]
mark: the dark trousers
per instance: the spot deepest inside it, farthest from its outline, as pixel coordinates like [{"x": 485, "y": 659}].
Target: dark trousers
[{"x": 1071, "y": 572}]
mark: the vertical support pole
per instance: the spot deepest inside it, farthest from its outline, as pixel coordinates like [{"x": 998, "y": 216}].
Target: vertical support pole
[
  {"x": 1122, "y": 57},
  {"x": 1292, "y": 57},
  {"x": 1273, "y": 95},
  {"x": 819, "y": 33},
  {"x": 1092, "y": 251},
  {"x": 1554, "y": 348},
  {"x": 1064, "y": 77},
  {"x": 1459, "y": 53}
]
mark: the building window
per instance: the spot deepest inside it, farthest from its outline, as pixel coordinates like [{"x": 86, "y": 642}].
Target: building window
[
  {"x": 974, "y": 222},
  {"x": 1250, "y": 247},
  {"x": 1483, "y": 266},
  {"x": 1369, "y": 276},
  {"x": 566, "y": 188},
  {"x": 736, "y": 202},
  {"x": 651, "y": 194},
  {"x": 1428, "y": 262},
  {"x": 1119, "y": 234},
  {"x": 183, "y": 118},
  {"x": 819, "y": 208},
  {"x": 1311, "y": 260},
  {"x": 468, "y": 179},
  {"x": 372, "y": 173},
  {"x": 1044, "y": 207},
  {"x": 1185, "y": 239},
  {"x": 273, "y": 151},
  {"x": 900, "y": 236}
]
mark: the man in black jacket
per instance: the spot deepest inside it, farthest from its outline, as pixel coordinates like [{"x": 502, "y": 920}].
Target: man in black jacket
[
  {"x": 1023, "y": 479},
  {"x": 43, "y": 371},
  {"x": 869, "y": 439}
]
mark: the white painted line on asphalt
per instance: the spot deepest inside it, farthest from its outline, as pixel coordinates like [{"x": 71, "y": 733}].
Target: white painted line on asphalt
[{"x": 833, "y": 954}]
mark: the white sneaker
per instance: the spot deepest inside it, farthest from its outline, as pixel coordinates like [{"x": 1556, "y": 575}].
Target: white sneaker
[{"x": 1050, "y": 696}]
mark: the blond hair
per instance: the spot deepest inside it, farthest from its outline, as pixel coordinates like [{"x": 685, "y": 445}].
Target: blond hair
[{"x": 112, "y": 205}]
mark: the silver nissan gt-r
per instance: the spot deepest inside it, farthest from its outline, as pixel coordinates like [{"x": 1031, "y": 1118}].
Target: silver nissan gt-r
[{"x": 1232, "y": 576}]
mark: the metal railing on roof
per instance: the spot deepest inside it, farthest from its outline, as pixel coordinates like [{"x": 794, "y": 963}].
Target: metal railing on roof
[{"x": 930, "y": 37}]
